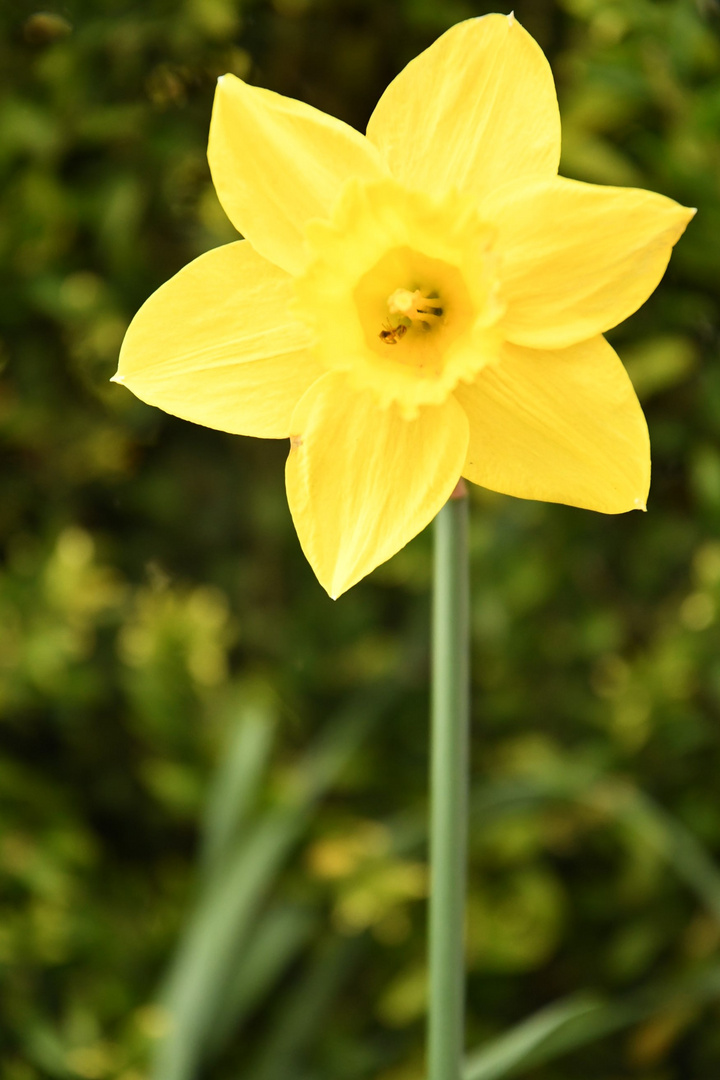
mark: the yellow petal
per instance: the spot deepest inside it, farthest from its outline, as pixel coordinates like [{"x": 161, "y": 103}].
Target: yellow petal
[
  {"x": 562, "y": 426},
  {"x": 362, "y": 481},
  {"x": 579, "y": 258},
  {"x": 216, "y": 345},
  {"x": 276, "y": 163},
  {"x": 474, "y": 111}
]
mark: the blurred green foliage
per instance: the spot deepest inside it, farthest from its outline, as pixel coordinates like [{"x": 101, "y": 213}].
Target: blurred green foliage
[{"x": 212, "y": 779}]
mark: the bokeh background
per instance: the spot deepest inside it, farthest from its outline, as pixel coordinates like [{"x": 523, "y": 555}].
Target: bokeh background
[{"x": 213, "y": 778}]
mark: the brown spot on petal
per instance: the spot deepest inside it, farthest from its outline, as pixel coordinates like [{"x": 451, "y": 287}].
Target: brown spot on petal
[{"x": 295, "y": 441}]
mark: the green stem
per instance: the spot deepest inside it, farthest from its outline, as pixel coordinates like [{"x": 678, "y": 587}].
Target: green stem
[{"x": 449, "y": 790}]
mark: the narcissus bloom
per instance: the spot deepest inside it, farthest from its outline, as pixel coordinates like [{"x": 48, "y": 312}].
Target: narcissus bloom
[{"x": 418, "y": 304}]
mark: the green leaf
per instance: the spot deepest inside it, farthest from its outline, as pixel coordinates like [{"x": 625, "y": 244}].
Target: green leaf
[
  {"x": 237, "y": 783},
  {"x": 226, "y": 929},
  {"x": 577, "y": 1021}
]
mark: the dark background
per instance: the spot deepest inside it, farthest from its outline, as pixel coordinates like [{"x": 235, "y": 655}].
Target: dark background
[{"x": 213, "y": 778}]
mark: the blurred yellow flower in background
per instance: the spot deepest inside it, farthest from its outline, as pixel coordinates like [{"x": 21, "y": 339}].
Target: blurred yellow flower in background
[{"x": 415, "y": 305}]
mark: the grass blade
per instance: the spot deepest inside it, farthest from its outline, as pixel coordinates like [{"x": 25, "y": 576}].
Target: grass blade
[
  {"x": 576, "y": 1022},
  {"x": 237, "y": 783},
  {"x": 303, "y": 1010},
  {"x": 220, "y": 934},
  {"x": 276, "y": 942}
]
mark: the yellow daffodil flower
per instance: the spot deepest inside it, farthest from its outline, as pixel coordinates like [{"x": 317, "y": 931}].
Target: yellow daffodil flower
[{"x": 418, "y": 304}]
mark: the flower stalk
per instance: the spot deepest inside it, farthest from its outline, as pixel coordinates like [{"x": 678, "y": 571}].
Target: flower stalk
[{"x": 449, "y": 789}]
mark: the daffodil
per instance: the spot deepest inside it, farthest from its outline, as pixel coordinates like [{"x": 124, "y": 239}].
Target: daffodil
[{"x": 413, "y": 305}]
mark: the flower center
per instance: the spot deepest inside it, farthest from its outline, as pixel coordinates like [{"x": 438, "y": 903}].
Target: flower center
[
  {"x": 400, "y": 292},
  {"x": 406, "y": 309},
  {"x": 415, "y": 308},
  {"x": 416, "y": 303}
]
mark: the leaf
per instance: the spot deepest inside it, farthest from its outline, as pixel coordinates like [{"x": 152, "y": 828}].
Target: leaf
[
  {"x": 575, "y": 1022},
  {"x": 303, "y": 1010},
  {"x": 505, "y": 1054},
  {"x": 279, "y": 937},
  {"x": 222, "y": 934},
  {"x": 676, "y": 844},
  {"x": 236, "y": 785}
]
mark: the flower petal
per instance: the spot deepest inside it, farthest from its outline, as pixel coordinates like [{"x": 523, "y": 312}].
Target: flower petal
[
  {"x": 362, "y": 481},
  {"x": 216, "y": 345},
  {"x": 562, "y": 426},
  {"x": 276, "y": 163},
  {"x": 579, "y": 258},
  {"x": 474, "y": 111}
]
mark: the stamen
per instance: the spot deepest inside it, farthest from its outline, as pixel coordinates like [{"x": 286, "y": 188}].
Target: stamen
[{"x": 415, "y": 306}]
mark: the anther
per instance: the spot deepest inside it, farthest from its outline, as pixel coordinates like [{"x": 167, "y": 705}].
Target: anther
[{"x": 414, "y": 306}]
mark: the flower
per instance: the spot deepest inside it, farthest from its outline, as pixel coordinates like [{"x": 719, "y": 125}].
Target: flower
[{"x": 415, "y": 305}]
